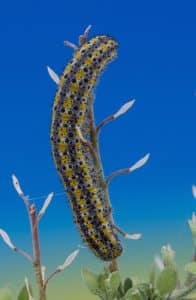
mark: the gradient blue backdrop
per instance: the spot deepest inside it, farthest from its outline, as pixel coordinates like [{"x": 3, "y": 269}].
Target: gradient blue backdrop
[{"x": 156, "y": 64}]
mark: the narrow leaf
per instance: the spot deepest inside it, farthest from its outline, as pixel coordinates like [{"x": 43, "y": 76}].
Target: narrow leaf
[
  {"x": 124, "y": 108},
  {"x": 28, "y": 288},
  {"x": 139, "y": 163},
  {"x": 6, "y": 239},
  {"x": 45, "y": 205},
  {"x": 17, "y": 185},
  {"x": 166, "y": 282},
  {"x": 114, "y": 280},
  {"x": 68, "y": 260},
  {"x": 53, "y": 75},
  {"x": 135, "y": 236},
  {"x": 194, "y": 191},
  {"x": 71, "y": 45},
  {"x": 23, "y": 294},
  {"x": 91, "y": 281},
  {"x": 86, "y": 32},
  {"x": 127, "y": 284}
]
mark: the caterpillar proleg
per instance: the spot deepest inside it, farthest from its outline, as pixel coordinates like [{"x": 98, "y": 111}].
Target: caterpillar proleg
[{"x": 73, "y": 158}]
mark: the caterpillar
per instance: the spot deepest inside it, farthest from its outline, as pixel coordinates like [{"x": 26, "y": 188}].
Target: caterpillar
[{"x": 74, "y": 159}]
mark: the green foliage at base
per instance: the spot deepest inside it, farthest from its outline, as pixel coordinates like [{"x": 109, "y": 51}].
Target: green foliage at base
[
  {"x": 23, "y": 294},
  {"x": 6, "y": 294},
  {"x": 109, "y": 286},
  {"x": 163, "y": 283}
]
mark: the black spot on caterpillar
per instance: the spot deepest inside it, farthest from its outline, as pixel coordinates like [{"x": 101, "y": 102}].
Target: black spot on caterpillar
[{"x": 74, "y": 161}]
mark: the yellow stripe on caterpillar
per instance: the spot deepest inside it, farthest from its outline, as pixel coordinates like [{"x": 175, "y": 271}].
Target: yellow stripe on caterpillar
[
  {"x": 87, "y": 178},
  {"x": 62, "y": 132},
  {"x": 79, "y": 74},
  {"x": 99, "y": 205},
  {"x": 83, "y": 106},
  {"x": 86, "y": 94},
  {"x": 62, "y": 81},
  {"x": 68, "y": 103},
  {"x": 79, "y": 155},
  {"x": 65, "y": 159},
  {"x": 83, "y": 210},
  {"x": 99, "y": 244},
  {"x": 65, "y": 117},
  {"x": 91, "y": 188},
  {"x": 85, "y": 168},
  {"x": 88, "y": 61},
  {"x": 81, "y": 201},
  {"x": 93, "y": 237},
  {"x": 67, "y": 69},
  {"x": 80, "y": 121},
  {"x": 78, "y": 145},
  {"x": 73, "y": 182},
  {"x": 56, "y": 99},
  {"x": 74, "y": 87},
  {"x": 101, "y": 218},
  {"x": 69, "y": 172},
  {"x": 62, "y": 147},
  {"x": 85, "y": 218},
  {"x": 89, "y": 226},
  {"x": 77, "y": 192}
]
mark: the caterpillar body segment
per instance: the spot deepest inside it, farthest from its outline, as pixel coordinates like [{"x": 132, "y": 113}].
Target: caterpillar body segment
[{"x": 74, "y": 160}]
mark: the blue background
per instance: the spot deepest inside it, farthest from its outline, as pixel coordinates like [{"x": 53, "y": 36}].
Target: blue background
[{"x": 156, "y": 64}]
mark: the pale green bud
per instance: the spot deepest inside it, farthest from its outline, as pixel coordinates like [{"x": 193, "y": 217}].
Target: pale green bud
[{"x": 168, "y": 256}]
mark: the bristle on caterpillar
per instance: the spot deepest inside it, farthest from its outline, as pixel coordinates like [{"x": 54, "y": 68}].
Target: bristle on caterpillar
[{"x": 73, "y": 159}]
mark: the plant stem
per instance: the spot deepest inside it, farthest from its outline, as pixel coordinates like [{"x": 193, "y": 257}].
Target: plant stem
[
  {"x": 31, "y": 210},
  {"x": 36, "y": 252},
  {"x": 98, "y": 163},
  {"x": 113, "y": 266},
  {"x": 50, "y": 277}
]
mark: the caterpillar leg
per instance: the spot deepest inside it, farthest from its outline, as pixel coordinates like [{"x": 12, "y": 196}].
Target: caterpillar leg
[{"x": 126, "y": 235}]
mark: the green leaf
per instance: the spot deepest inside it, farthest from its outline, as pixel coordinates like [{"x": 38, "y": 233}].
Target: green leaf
[
  {"x": 23, "y": 294},
  {"x": 144, "y": 289},
  {"x": 114, "y": 280},
  {"x": 166, "y": 282},
  {"x": 127, "y": 284},
  {"x": 101, "y": 281},
  {"x": 91, "y": 281},
  {"x": 5, "y": 294},
  {"x": 120, "y": 291},
  {"x": 133, "y": 294},
  {"x": 191, "y": 268}
]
